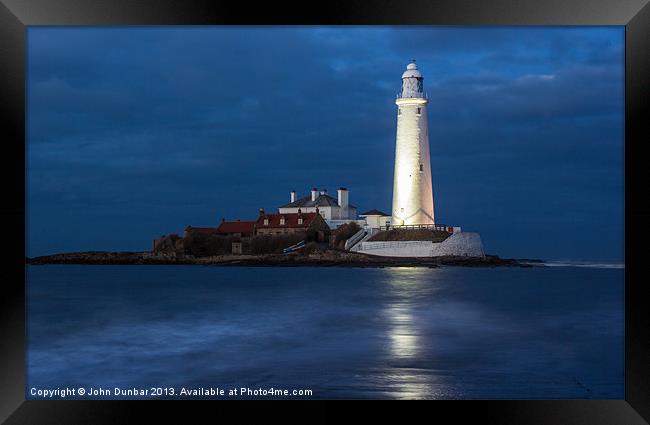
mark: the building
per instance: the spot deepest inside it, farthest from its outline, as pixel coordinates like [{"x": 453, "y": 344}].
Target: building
[
  {"x": 242, "y": 229},
  {"x": 374, "y": 219},
  {"x": 335, "y": 211},
  {"x": 412, "y": 188},
  {"x": 290, "y": 223}
]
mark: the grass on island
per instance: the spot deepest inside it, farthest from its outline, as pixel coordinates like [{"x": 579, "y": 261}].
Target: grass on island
[{"x": 410, "y": 235}]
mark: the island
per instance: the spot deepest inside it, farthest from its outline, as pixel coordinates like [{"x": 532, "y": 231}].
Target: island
[{"x": 328, "y": 257}]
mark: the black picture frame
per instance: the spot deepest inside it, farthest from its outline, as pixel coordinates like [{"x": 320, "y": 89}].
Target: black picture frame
[{"x": 17, "y": 15}]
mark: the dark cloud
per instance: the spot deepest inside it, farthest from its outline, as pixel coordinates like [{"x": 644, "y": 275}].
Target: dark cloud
[{"x": 137, "y": 132}]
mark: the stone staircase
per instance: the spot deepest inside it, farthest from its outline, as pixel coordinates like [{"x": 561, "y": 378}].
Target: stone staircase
[{"x": 358, "y": 245}]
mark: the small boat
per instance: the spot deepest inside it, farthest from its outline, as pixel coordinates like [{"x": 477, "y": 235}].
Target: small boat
[{"x": 295, "y": 247}]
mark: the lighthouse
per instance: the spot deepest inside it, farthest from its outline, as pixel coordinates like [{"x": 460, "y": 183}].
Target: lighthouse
[{"x": 412, "y": 189}]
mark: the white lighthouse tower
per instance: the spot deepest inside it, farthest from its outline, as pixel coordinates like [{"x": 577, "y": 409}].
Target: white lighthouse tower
[{"x": 412, "y": 190}]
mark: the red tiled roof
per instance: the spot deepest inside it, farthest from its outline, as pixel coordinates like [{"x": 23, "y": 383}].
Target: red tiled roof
[
  {"x": 236, "y": 227},
  {"x": 291, "y": 220}
]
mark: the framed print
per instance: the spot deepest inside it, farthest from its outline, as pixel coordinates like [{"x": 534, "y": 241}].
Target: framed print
[{"x": 441, "y": 201}]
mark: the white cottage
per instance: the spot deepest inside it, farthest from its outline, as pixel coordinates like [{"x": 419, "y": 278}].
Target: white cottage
[
  {"x": 375, "y": 219},
  {"x": 335, "y": 211}
]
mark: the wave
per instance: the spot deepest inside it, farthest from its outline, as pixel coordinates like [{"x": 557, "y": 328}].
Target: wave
[{"x": 588, "y": 264}]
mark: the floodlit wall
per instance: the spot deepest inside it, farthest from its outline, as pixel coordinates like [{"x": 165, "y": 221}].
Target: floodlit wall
[
  {"x": 412, "y": 189},
  {"x": 459, "y": 244}
]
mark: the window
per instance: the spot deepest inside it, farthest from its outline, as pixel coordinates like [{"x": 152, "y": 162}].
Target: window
[
  {"x": 399, "y": 111},
  {"x": 266, "y": 221},
  {"x": 299, "y": 220},
  {"x": 421, "y": 168},
  {"x": 419, "y": 111},
  {"x": 282, "y": 221}
]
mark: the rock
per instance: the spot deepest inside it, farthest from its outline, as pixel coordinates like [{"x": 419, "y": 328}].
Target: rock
[{"x": 325, "y": 258}]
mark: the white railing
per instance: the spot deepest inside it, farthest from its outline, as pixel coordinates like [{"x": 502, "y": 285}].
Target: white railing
[
  {"x": 400, "y": 95},
  {"x": 442, "y": 227},
  {"x": 393, "y": 244},
  {"x": 369, "y": 234},
  {"x": 354, "y": 239}
]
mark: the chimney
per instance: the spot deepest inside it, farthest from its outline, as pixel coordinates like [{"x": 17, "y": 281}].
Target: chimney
[
  {"x": 261, "y": 212},
  {"x": 343, "y": 201},
  {"x": 314, "y": 194},
  {"x": 293, "y": 196},
  {"x": 223, "y": 219},
  {"x": 323, "y": 192}
]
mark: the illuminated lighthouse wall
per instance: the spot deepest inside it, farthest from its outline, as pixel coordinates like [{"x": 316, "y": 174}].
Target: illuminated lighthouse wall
[{"x": 412, "y": 190}]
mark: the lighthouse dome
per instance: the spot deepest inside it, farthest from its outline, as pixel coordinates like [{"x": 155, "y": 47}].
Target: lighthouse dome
[{"x": 412, "y": 71}]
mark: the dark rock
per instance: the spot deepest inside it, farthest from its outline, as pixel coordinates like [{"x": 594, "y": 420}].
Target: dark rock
[{"x": 321, "y": 258}]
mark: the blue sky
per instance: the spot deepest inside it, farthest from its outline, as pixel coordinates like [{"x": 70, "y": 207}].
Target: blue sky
[{"x": 137, "y": 132}]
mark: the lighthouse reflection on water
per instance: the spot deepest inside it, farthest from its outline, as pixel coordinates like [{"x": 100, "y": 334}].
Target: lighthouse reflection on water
[{"x": 411, "y": 375}]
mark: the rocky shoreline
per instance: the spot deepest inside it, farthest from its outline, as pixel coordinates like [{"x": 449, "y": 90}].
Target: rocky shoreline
[{"x": 329, "y": 258}]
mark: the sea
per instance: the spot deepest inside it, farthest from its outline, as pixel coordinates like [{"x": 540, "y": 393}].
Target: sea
[{"x": 140, "y": 332}]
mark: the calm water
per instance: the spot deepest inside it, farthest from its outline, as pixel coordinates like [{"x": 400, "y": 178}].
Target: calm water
[{"x": 552, "y": 332}]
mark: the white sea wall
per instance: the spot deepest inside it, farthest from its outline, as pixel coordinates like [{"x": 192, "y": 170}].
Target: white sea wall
[{"x": 465, "y": 244}]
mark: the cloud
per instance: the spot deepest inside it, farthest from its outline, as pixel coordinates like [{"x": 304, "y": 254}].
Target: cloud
[{"x": 180, "y": 125}]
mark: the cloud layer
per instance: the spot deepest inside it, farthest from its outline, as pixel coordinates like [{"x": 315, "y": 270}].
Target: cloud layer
[{"x": 134, "y": 133}]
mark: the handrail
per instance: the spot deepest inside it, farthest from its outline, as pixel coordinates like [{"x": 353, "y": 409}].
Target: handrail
[
  {"x": 442, "y": 227},
  {"x": 355, "y": 238},
  {"x": 425, "y": 95},
  {"x": 392, "y": 244}
]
